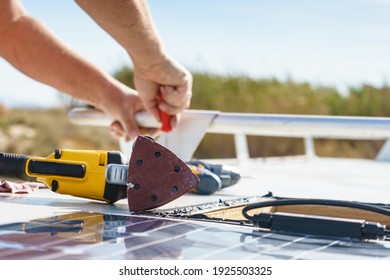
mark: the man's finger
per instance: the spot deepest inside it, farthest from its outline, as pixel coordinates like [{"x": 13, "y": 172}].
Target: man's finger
[{"x": 175, "y": 100}]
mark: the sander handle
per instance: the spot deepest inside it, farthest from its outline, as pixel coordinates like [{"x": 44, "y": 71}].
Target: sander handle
[{"x": 13, "y": 167}]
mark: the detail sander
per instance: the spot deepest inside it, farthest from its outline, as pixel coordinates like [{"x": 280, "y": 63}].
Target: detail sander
[{"x": 151, "y": 178}]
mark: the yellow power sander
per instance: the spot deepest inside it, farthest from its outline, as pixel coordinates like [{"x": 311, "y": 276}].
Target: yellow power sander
[{"x": 151, "y": 178}]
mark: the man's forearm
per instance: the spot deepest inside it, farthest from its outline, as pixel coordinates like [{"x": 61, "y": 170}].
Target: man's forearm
[
  {"x": 33, "y": 50},
  {"x": 130, "y": 23},
  {"x": 10, "y": 11}
]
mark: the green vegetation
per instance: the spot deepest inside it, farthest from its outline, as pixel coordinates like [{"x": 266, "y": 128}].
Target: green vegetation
[
  {"x": 244, "y": 94},
  {"x": 41, "y": 131}
]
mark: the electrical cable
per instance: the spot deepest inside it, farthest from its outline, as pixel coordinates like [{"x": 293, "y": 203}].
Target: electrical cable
[
  {"x": 319, "y": 225},
  {"x": 313, "y": 201}
]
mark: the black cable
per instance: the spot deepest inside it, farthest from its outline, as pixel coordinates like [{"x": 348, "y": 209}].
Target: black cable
[
  {"x": 313, "y": 201},
  {"x": 319, "y": 225}
]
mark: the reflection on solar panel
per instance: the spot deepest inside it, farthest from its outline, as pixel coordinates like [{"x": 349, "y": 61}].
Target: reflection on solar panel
[{"x": 83, "y": 235}]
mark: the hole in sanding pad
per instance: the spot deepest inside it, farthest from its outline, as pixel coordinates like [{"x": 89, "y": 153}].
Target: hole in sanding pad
[
  {"x": 140, "y": 162},
  {"x": 153, "y": 198},
  {"x": 137, "y": 186},
  {"x": 175, "y": 189},
  {"x": 157, "y": 154},
  {"x": 177, "y": 168}
]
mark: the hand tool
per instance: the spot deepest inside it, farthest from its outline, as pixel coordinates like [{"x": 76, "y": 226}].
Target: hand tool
[
  {"x": 209, "y": 182},
  {"x": 153, "y": 176},
  {"x": 213, "y": 177},
  {"x": 165, "y": 118}
]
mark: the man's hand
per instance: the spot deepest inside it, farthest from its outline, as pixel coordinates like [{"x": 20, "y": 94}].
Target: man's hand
[
  {"x": 122, "y": 103},
  {"x": 171, "y": 80}
]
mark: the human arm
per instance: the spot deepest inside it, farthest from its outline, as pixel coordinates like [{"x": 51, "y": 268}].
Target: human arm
[
  {"x": 130, "y": 24},
  {"x": 31, "y": 48}
]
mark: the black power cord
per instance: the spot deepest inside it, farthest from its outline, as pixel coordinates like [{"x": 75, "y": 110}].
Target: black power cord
[{"x": 319, "y": 225}]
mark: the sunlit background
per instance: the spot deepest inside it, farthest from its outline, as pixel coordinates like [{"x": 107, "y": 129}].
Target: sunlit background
[{"x": 338, "y": 43}]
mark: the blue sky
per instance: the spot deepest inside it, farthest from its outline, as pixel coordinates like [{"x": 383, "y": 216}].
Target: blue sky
[{"x": 338, "y": 43}]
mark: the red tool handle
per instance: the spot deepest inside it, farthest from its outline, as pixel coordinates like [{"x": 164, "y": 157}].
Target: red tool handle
[{"x": 165, "y": 118}]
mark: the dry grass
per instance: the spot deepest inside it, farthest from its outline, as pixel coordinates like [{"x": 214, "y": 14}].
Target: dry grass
[{"x": 39, "y": 132}]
